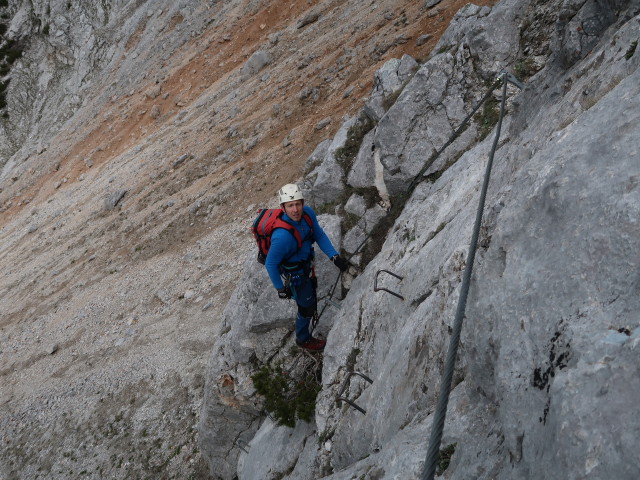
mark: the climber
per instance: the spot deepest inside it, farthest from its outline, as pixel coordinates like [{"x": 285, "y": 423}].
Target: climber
[{"x": 295, "y": 263}]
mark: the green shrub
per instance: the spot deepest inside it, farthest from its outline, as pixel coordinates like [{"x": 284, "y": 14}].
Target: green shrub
[
  {"x": 10, "y": 51},
  {"x": 287, "y": 395},
  {"x": 12, "y": 54},
  {"x": 631, "y": 50},
  {"x": 487, "y": 118},
  {"x": 525, "y": 68},
  {"x": 370, "y": 194},
  {"x": 379, "y": 232},
  {"x": 445, "y": 457},
  {"x": 329, "y": 207}
]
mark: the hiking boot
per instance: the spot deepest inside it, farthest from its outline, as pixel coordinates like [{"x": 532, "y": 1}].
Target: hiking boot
[{"x": 312, "y": 344}]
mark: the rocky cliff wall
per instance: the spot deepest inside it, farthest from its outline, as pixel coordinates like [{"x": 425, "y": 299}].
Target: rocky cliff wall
[
  {"x": 138, "y": 140},
  {"x": 545, "y": 382}
]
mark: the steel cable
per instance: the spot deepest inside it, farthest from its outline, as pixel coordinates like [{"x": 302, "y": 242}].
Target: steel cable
[{"x": 440, "y": 413}]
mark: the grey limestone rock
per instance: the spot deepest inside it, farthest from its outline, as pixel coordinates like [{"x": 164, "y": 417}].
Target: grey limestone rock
[
  {"x": 354, "y": 238},
  {"x": 256, "y": 62},
  {"x": 328, "y": 176},
  {"x": 388, "y": 80},
  {"x": 363, "y": 173},
  {"x": 579, "y": 27},
  {"x": 430, "y": 107},
  {"x": 308, "y": 19},
  {"x": 356, "y": 205},
  {"x": 274, "y": 450},
  {"x": 113, "y": 199},
  {"x": 317, "y": 156}
]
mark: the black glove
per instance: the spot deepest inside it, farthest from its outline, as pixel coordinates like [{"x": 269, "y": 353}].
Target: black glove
[
  {"x": 340, "y": 262},
  {"x": 284, "y": 293}
]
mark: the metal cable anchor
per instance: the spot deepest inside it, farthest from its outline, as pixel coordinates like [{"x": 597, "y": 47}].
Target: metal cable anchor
[
  {"x": 509, "y": 77},
  {"x": 377, "y": 289},
  {"x": 339, "y": 397}
]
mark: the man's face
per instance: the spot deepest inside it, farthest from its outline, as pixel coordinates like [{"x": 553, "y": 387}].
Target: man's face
[{"x": 293, "y": 209}]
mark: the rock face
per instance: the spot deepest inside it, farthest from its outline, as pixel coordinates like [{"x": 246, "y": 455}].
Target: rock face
[
  {"x": 545, "y": 382},
  {"x": 134, "y": 151},
  {"x": 136, "y": 143}
]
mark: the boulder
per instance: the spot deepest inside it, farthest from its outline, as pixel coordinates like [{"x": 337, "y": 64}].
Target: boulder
[{"x": 256, "y": 62}]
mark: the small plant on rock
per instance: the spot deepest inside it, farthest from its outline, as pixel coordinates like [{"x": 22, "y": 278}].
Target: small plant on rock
[
  {"x": 445, "y": 458},
  {"x": 631, "y": 50},
  {"x": 290, "y": 394},
  {"x": 488, "y": 118},
  {"x": 525, "y": 67}
]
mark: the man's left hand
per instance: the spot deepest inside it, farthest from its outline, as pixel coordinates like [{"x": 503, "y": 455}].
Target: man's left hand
[{"x": 340, "y": 262}]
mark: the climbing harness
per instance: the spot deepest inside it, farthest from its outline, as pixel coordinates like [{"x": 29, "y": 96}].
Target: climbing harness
[
  {"x": 328, "y": 299},
  {"x": 447, "y": 376}
]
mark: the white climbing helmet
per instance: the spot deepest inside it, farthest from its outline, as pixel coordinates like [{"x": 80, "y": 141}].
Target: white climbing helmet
[{"x": 289, "y": 193}]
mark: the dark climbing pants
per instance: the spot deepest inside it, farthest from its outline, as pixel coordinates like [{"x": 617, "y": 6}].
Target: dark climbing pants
[{"x": 305, "y": 296}]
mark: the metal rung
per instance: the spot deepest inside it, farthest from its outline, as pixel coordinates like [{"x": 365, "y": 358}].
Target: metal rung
[
  {"x": 243, "y": 445},
  {"x": 377, "y": 289},
  {"x": 334, "y": 304},
  {"x": 360, "y": 409},
  {"x": 339, "y": 397}
]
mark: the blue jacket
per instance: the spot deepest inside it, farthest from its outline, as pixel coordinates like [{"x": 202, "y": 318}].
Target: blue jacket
[{"x": 285, "y": 248}]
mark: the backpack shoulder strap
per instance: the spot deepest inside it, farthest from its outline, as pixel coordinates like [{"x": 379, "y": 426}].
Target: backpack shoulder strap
[
  {"x": 282, "y": 223},
  {"x": 307, "y": 218}
]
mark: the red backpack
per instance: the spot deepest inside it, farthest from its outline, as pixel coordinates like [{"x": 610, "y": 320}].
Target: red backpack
[{"x": 266, "y": 222}]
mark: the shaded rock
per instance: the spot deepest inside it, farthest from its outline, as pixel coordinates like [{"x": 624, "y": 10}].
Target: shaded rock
[
  {"x": 422, "y": 39},
  {"x": 155, "y": 112},
  {"x": 356, "y": 205},
  {"x": 328, "y": 177},
  {"x": 271, "y": 452},
  {"x": 363, "y": 172},
  {"x": 317, "y": 156},
  {"x": 580, "y": 25},
  {"x": 308, "y": 19},
  {"x": 256, "y": 62},
  {"x": 180, "y": 160},
  {"x": 322, "y": 123},
  {"x": 114, "y": 199}
]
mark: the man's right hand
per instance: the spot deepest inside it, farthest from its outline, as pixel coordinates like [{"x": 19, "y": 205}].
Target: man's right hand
[{"x": 284, "y": 293}]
